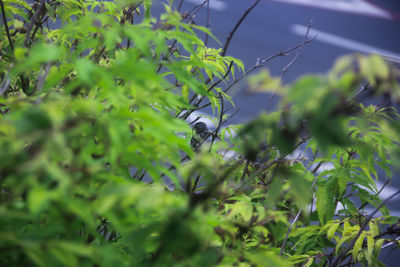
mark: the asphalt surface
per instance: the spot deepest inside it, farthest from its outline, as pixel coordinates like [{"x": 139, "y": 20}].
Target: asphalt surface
[
  {"x": 277, "y": 25},
  {"x": 270, "y": 28}
]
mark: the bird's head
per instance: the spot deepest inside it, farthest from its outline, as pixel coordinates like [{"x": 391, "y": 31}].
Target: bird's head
[{"x": 200, "y": 127}]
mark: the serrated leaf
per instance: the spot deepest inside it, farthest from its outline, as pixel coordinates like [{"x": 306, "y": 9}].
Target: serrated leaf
[
  {"x": 373, "y": 228},
  {"x": 380, "y": 67},
  {"x": 332, "y": 230},
  {"x": 309, "y": 262},
  {"x": 378, "y": 246},
  {"x": 370, "y": 248},
  {"x": 325, "y": 203},
  {"x": 358, "y": 245}
]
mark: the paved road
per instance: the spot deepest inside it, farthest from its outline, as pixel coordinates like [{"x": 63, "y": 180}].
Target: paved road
[
  {"x": 344, "y": 27},
  {"x": 274, "y": 25}
]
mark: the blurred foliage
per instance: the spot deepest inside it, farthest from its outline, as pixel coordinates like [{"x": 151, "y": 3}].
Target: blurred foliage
[{"x": 96, "y": 166}]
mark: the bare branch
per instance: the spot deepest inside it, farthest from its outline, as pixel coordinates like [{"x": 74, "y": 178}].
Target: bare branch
[
  {"x": 33, "y": 21},
  {"x": 285, "y": 69},
  {"x": 5, "y": 84},
  {"x": 391, "y": 243},
  {"x": 6, "y": 25},
  {"x": 44, "y": 71},
  {"x": 208, "y": 22},
  {"x": 196, "y": 9},
  {"x": 263, "y": 62},
  {"x": 291, "y": 63},
  {"x": 221, "y": 114},
  {"x": 180, "y": 5},
  {"x": 290, "y": 230},
  {"x": 232, "y": 33}
]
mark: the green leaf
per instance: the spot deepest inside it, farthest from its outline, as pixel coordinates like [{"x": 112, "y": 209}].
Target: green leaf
[
  {"x": 373, "y": 67},
  {"x": 266, "y": 259},
  {"x": 378, "y": 247},
  {"x": 309, "y": 262},
  {"x": 33, "y": 120},
  {"x": 244, "y": 209},
  {"x": 358, "y": 245},
  {"x": 370, "y": 248},
  {"x": 380, "y": 67},
  {"x": 332, "y": 230},
  {"x": 264, "y": 82},
  {"x": 373, "y": 228},
  {"x": 325, "y": 202},
  {"x": 38, "y": 199}
]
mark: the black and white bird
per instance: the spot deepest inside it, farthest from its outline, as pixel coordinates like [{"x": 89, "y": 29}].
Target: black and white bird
[{"x": 201, "y": 133}]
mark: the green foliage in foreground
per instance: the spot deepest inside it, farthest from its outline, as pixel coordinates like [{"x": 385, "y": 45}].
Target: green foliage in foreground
[{"x": 92, "y": 110}]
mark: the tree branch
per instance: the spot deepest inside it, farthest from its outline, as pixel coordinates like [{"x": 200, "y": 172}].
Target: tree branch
[
  {"x": 291, "y": 63},
  {"x": 285, "y": 69},
  {"x": 232, "y": 33},
  {"x": 289, "y": 230},
  {"x": 3, "y": 11},
  {"x": 5, "y": 84},
  {"x": 34, "y": 18},
  {"x": 208, "y": 22}
]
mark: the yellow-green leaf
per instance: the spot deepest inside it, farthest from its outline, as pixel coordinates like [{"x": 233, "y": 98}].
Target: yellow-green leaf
[
  {"x": 332, "y": 230},
  {"x": 370, "y": 248},
  {"x": 358, "y": 245}
]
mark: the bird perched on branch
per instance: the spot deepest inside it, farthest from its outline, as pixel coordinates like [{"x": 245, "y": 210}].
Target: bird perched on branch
[{"x": 201, "y": 133}]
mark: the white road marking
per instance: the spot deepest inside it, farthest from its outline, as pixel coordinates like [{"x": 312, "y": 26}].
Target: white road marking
[
  {"x": 350, "y": 6},
  {"x": 345, "y": 43},
  {"x": 214, "y": 4},
  {"x": 387, "y": 191}
]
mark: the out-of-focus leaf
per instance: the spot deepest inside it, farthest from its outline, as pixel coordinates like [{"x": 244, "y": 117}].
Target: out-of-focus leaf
[{"x": 325, "y": 201}]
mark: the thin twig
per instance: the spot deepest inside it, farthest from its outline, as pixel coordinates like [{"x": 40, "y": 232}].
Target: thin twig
[
  {"x": 363, "y": 88},
  {"x": 34, "y": 18},
  {"x": 289, "y": 230},
  {"x": 5, "y": 84},
  {"x": 208, "y": 22},
  {"x": 37, "y": 26},
  {"x": 180, "y": 5},
  {"x": 3, "y": 11},
  {"x": 263, "y": 62},
  {"x": 245, "y": 170},
  {"x": 383, "y": 187},
  {"x": 232, "y": 33},
  {"x": 291, "y": 63},
  {"x": 44, "y": 71},
  {"x": 391, "y": 243},
  {"x": 196, "y": 182},
  {"x": 195, "y": 10},
  {"x": 313, "y": 172},
  {"x": 285, "y": 69},
  {"x": 221, "y": 114}
]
